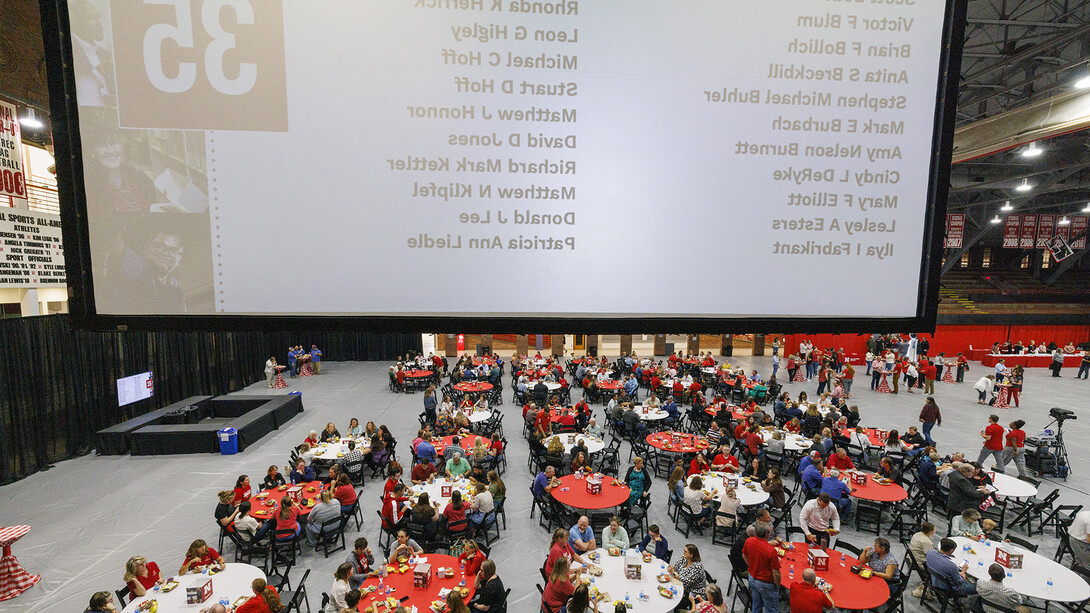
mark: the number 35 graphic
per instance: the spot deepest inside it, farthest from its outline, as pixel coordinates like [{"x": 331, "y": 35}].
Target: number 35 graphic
[{"x": 200, "y": 64}]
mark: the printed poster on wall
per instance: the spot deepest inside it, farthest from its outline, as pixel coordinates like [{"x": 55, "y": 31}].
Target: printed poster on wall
[
  {"x": 1045, "y": 225},
  {"x": 12, "y": 176},
  {"x": 31, "y": 254},
  {"x": 1029, "y": 231},
  {"x": 1010, "y": 232},
  {"x": 955, "y": 230},
  {"x": 1079, "y": 224}
]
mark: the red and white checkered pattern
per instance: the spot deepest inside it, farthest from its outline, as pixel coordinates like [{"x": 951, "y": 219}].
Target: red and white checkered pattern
[
  {"x": 13, "y": 579},
  {"x": 883, "y": 385},
  {"x": 948, "y": 375},
  {"x": 798, "y": 376}
]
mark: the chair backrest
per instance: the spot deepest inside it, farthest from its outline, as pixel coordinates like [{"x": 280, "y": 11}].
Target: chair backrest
[
  {"x": 846, "y": 546},
  {"x": 1021, "y": 542},
  {"x": 122, "y": 594}
]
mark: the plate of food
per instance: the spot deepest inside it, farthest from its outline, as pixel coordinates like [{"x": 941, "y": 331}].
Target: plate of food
[
  {"x": 665, "y": 591},
  {"x": 312, "y": 489},
  {"x": 664, "y": 578},
  {"x": 282, "y": 488},
  {"x": 169, "y": 586},
  {"x": 241, "y": 601},
  {"x": 595, "y": 571},
  {"x": 614, "y": 551},
  {"x": 866, "y": 573}
]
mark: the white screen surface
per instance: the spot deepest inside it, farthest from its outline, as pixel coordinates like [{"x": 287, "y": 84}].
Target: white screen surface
[
  {"x": 391, "y": 156},
  {"x": 134, "y": 388}
]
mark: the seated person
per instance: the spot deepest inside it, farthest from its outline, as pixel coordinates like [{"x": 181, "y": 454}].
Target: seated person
[
  {"x": 423, "y": 472},
  {"x": 404, "y": 547},
  {"x": 200, "y": 556},
  {"x": 581, "y": 536},
  {"x": 141, "y": 575},
  {"x": 883, "y": 563},
  {"x": 945, "y": 573},
  {"x": 302, "y": 473},
  {"x": 654, "y": 542},
  {"x": 838, "y": 491}
]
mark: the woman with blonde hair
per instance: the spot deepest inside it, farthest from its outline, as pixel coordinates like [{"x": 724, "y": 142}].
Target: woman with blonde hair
[
  {"x": 199, "y": 556},
  {"x": 225, "y": 509},
  {"x": 141, "y": 575},
  {"x": 496, "y": 487},
  {"x": 556, "y": 448}
]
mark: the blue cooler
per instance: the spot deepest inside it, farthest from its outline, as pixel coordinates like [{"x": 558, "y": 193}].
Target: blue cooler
[{"x": 228, "y": 441}]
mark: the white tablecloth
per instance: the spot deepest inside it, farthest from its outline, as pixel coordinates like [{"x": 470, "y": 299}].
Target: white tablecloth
[
  {"x": 792, "y": 442},
  {"x": 476, "y": 417},
  {"x": 232, "y": 583},
  {"x": 435, "y": 490},
  {"x": 651, "y": 415},
  {"x": 669, "y": 383},
  {"x": 327, "y": 452},
  {"x": 614, "y": 582},
  {"x": 1013, "y": 487},
  {"x": 1030, "y": 580},
  {"x": 746, "y": 496},
  {"x": 594, "y": 445}
]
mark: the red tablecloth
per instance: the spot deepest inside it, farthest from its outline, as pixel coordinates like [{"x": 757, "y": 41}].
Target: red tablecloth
[
  {"x": 572, "y": 492},
  {"x": 466, "y": 442},
  {"x": 850, "y": 591},
  {"x": 734, "y": 411},
  {"x": 689, "y": 443},
  {"x": 422, "y": 597},
  {"x": 976, "y": 354},
  {"x": 14, "y": 580},
  {"x": 1036, "y": 360},
  {"x": 877, "y": 492},
  {"x": 474, "y": 386},
  {"x": 413, "y": 374},
  {"x": 270, "y": 506},
  {"x": 610, "y": 385},
  {"x": 731, "y": 382}
]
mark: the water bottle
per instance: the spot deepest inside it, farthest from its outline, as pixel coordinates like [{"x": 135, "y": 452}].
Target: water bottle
[
  {"x": 1048, "y": 585},
  {"x": 842, "y": 560},
  {"x": 628, "y": 601},
  {"x": 791, "y": 572}
]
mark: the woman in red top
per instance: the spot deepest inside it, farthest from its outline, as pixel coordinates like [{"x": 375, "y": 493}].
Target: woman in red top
[
  {"x": 456, "y": 510},
  {"x": 200, "y": 555},
  {"x": 265, "y": 600},
  {"x": 312, "y": 440},
  {"x": 1015, "y": 448},
  {"x": 393, "y": 477},
  {"x": 559, "y": 588},
  {"x": 242, "y": 490},
  {"x": 472, "y": 557},
  {"x": 345, "y": 491},
  {"x": 141, "y": 575},
  {"x": 698, "y": 465},
  {"x": 560, "y": 550},
  {"x": 793, "y": 426},
  {"x": 288, "y": 519}
]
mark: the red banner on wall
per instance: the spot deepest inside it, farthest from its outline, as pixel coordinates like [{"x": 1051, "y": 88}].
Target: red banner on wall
[
  {"x": 1079, "y": 224},
  {"x": 1010, "y": 233},
  {"x": 1064, "y": 230},
  {"x": 1029, "y": 231},
  {"x": 955, "y": 230},
  {"x": 1045, "y": 225}
]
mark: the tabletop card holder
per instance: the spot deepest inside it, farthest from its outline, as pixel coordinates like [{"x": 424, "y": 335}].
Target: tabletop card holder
[
  {"x": 295, "y": 493},
  {"x": 594, "y": 485},
  {"x": 633, "y": 568},
  {"x": 1008, "y": 558},
  {"x": 882, "y": 434},
  {"x": 859, "y": 478},
  {"x": 444, "y": 491},
  {"x": 422, "y": 575},
  {"x": 571, "y": 439},
  {"x": 818, "y": 559},
  {"x": 199, "y": 593}
]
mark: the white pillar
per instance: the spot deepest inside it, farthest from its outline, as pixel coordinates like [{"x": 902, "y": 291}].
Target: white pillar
[{"x": 30, "y": 305}]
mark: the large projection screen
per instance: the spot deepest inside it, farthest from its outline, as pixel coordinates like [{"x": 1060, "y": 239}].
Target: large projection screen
[{"x": 712, "y": 163}]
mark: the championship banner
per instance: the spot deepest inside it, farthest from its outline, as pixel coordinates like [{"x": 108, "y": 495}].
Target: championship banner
[
  {"x": 12, "y": 177},
  {"x": 1079, "y": 224},
  {"x": 1010, "y": 233},
  {"x": 955, "y": 230},
  {"x": 1029, "y": 231},
  {"x": 1063, "y": 231},
  {"x": 1046, "y": 223},
  {"x": 30, "y": 249}
]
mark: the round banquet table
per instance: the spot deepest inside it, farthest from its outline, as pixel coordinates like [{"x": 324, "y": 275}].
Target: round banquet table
[
  {"x": 592, "y": 443},
  {"x": 651, "y": 414},
  {"x": 420, "y": 597},
  {"x": 614, "y": 583},
  {"x": 610, "y": 385},
  {"x": 1030, "y": 580},
  {"x": 746, "y": 496},
  {"x": 476, "y": 416},
  {"x": 872, "y": 436},
  {"x": 1012, "y": 487},
  {"x": 466, "y": 442},
  {"x": 849, "y": 591},
  {"x": 689, "y": 443},
  {"x": 552, "y": 386},
  {"x": 708, "y": 370},
  {"x": 233, "y": 583},
  {"x": 875, "y": 491},
  {"x": 735, "y": 411},
  {"x": 418, "y": 374},
  {"x": 669, "y": 384},
  {"x": 572, "y": 492},
  {"x": 791, "y": 442},
  {"x": 267, "y": 503},
  {"x": 330, "y": 452},
  {"x": 14, "y": 580},
  {"x": 435, "y": 490},
  {"x": 279, "y": 382},
  {"x": 473, "y": 386}
]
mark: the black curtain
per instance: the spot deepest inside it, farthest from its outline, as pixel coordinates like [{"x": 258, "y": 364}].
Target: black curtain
[{"x": 58, "y": 386}]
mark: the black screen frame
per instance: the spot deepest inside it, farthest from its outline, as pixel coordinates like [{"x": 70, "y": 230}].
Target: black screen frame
[{"x": 70, "y": 181}]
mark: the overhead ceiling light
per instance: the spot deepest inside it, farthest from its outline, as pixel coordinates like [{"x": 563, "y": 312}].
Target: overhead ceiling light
[
  {"x": 996, "y": 219},
  {"x": 1086, "y": 209},
  {"x": 1083, "y": 83},
  {"x": 1032, "y": 151},
  {"x": 1024, "y": 187},
  {"x": 1007, "y": 207},
  {"x": 1064, "y": 222},
  {"x": 30, "y": 120}
]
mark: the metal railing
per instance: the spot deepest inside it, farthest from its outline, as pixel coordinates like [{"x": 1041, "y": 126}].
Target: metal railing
[{"x": 43, "y": 197}]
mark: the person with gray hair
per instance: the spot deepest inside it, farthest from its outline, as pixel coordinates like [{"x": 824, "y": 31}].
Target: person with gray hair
[
  {"x": 593, "y": 429},
  {"x": 806, "y": 597},
  {"x": 457, "y": 466},
  {"x": 963, "y": 494}
]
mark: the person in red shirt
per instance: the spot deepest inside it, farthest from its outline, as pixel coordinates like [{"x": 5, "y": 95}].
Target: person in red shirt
[
  {"x": 200, "y": 555},
  {"x": 678, "y": 388},
  {"x": 847, "y": 378},
  {"x": 242, "y": 490},
  {"x": 753, "y": 442},
  {"x": 656, "y": 383},
  {"x": 393, "y": 477},
  {"x": 472, "y": 557},
  {"x": 993, "y": 443},
  {"x": 1015, "y": 448},
  {"x": 840, "y": 460},
  {"x": 566, "y": 419},
  {"x": 265, "y": 600},
  {"x": 422, "y": 472},
  {"x": 345, "y": 492},
  {"x": 898, "y": 368},
  {"x": 806, "y": 597},
  {"x": 698, "y": 465},
  {"x": 724, "y": 461},
  {"x": 823, "y": 379},
  {"x": 740, "y": 430},
  {"x": 560, "y": 549},
  {"x": 764, "y": 570},
  {"x": 141, "y": 575},
  {"x": 393, "y": 510},
  {"x": 560, "y": 586},
  {"x": 400, "y": 376}
]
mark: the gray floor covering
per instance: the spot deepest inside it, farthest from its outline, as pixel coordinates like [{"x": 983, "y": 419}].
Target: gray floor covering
[{"x": 91, "y": 513}]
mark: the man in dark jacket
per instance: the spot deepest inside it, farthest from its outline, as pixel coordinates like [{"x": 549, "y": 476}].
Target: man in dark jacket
[{"x": 963, "y": 494}]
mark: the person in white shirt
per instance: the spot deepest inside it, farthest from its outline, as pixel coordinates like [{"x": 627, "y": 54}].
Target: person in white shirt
[
  {"x": 270, "y": 370},
  {"x": 821, "y": 517},
  {"x": 481, "y": 505},
  {"x": 984, "y": 386},
  {"x": 339, "y": 589},
  {"x": 593, "y": 429},
  {"x": 1079, "y": 538}
]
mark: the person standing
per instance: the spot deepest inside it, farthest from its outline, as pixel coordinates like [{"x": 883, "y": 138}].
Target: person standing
[
  {"x": 775, "y": 361},
  {"x": 292, "y": 357},
  {"x": 764, "y": 572},
  {"x": 993, "y": 443},
  {"x": 984, "y": 387},
  {"x": 898, "y": 367},
  {"x": 1084, "y": 366},
  {"x": 316, "y": 359},
  {"x": 929, "y": 417},
  {"x": 940, "y": 363},
  {"x": 775, "y": 347},
  {"x": 847, "y": 378},
  {"x": 1015, "y": 447},
  {"x": 929, "y": 373},
  {"x": 1057, "y": 361},
  {"x": 270, "y": 370},
  {"x": 963, "y": 365}
]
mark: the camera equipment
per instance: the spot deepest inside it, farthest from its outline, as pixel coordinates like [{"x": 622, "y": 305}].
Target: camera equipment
[
  {"x": 1061, "y": 414},
  {"x": 1050, "y": 456}
]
